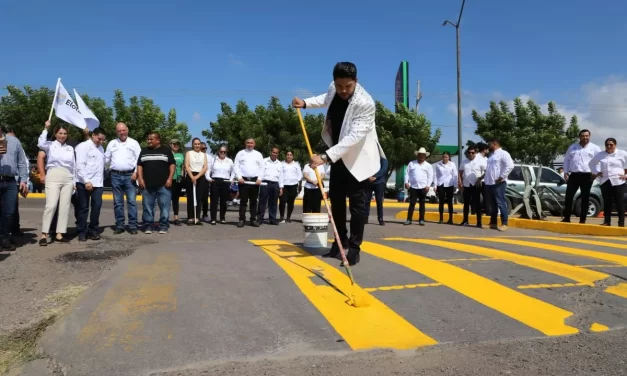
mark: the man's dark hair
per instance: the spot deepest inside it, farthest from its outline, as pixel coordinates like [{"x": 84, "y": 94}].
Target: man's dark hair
[
  {"x": 473, "y": 148},
  {"x": 345, "y": 69},
  {"x": 156, "y": 134},
  {"x": 6, "y": 129},
  {"x": 584, "y": 131},
  {"x": 98, "y": 131},
  {"x": 481, "y": 146},
  {"x": 495, "y": 141}
]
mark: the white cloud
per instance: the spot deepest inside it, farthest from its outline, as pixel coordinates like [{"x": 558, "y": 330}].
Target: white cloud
[{"x": 196, "y": 117}]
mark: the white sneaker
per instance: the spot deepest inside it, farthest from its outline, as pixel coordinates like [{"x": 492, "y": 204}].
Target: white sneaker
[
  {"x": 163, "y": 232},
  {"x": 148, "y": 232}
]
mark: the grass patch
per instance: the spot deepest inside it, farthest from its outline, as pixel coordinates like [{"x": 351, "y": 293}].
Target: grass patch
[{"x": 19, "y": 346}]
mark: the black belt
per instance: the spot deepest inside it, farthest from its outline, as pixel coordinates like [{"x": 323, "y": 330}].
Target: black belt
[
  {"x": 250, "y": 179},
  {"x": 7, "y": 178},
  {"x": 123, "y": 172},
  {"x": 580, "y": 173},
  {"x": 270, "y": 182}
]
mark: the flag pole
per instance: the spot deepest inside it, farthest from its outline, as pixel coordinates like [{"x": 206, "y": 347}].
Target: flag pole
[{"x": 56, "y": 91}]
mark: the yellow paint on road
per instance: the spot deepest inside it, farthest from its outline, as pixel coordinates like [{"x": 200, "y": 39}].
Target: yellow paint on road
[
  {"x": 610, "y": 257},
  {"x": 401, "y": 287},
  {"x": 583, "y": 241},
  {"x": 601, "y": 266},
  {"x": 618, "y": 290},
  {"x": 375, "y": 326},
  {"x": 145, "y": 289},
  {"x": 542, "y": 316},
  {"x": 596, "y": 327},
  {"x": 469, "y": 259},
  {"x": 577, "y": 274},
  {"x": 551, "y": 285}
]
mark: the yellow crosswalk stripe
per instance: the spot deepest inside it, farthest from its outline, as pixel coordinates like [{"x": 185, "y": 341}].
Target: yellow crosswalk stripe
[
  {"x": 617, "y": 259},
  {"x": 551, "y": 285},
  {"x": 583, "y": 241},
  {"x": 542, "y": 316},
  {"x": 619, "y": 290},
  {"x": 374, "y": 326},
  {"x": 577, "y": 274},
  {"x": 401, "y": 287}
]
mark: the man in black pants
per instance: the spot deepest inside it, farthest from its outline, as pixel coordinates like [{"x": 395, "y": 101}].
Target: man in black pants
[
  {"x": 269, "y": 194},
  {"x": 248, "y": 167},
  {"x": 354, "y": 152},
  {"x": 470, "y": 171},
  {"x": 577, "y": 174}
]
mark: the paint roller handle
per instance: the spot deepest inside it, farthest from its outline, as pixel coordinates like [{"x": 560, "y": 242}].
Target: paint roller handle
[{"x": 254, "y": 183}]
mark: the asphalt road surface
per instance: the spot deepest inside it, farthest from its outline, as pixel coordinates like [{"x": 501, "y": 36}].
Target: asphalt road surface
[{"x": 453, "y": 300}]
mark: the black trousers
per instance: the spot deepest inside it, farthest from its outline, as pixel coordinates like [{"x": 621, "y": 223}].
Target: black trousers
[
  {"x": 379, "y": 192},
  {"x": 578, "y": 181},
  {"x": 268, "y": 198},
  {"x": 445, "y": 195},
  {"x": 205, "y": 203},
  {"x": 248, "y": 192},
  {"x": 176, "y": 195},
  {"x": 202, "y": 188},
  {"x": 312, "y": 201},
  {"x": 219, "y": 193},
  {"x": 288, "y": 197},
  {"x": 15, "y": 227},
  {"x": 417, "y": 195},
  {"x": 472, "y": 199},
  {"x": 613, "y": 194},
  {"x": 343, "y": 184}
]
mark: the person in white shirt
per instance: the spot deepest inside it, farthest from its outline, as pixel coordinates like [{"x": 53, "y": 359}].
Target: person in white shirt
[
  {"x": 90, "y": 162},
  {"x": 60, "y": 181},
  {"x": 248, "y": 166},
  {"x": 220, "y": 175},
  {"x": 611, "y": 167},
  {"x": 470, "y": 172},
  {"x": 312, "y": 196},
  {"x": 292, "y": 177},
  {"x": 196, "y": 165},
  {"x": 269, "y": 194},
  {"x": 498, "y": 168},
  {"x": 205, "y": 204},
  {"x": 577, "y": 174},
  {"x": 121, "y": 155},
  {"x": 445, "y": 179},
  {"x": 418, "y": 180}
]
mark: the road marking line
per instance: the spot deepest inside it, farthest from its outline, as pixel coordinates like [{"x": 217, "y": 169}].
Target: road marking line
[
  {"x": 469, "y": 259},
  {"x": 542, "y": 316},
  {"x": 583, "y": 241},
  {"x": 596, "y": 327},
  {"x": 145, "y": 288},
  {"x": 619, "y": 290},
  {"x": 375, "y": 326},
  {"x": 600, "y": 266},
  {"x": 553, "y": 285},
  {"x": 610, "y": 257},
  {"x": 401, "y": 287},
  {"x": 577, "y": 274}
]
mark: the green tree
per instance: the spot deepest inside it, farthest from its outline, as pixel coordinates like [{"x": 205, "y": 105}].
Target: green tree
[
  {"x": 529, "y": 135},
  {"x": 403, "y": 132}
]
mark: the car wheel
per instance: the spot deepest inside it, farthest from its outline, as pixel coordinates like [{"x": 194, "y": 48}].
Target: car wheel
[{"x": 594, "y": 207}]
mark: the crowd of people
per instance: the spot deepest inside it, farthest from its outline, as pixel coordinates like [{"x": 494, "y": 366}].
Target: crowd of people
[{"x": 72, "y": 173}]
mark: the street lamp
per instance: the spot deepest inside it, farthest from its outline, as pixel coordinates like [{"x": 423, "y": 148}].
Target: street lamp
[{"x": 459, "y": 94}]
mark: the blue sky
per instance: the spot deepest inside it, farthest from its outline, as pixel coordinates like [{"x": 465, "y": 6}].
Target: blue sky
[{"x": 191, "y": 55}]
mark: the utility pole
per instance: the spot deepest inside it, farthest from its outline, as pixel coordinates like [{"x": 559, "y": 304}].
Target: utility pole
[
  {"x": 459, "y": 94},
  {"x": 418, "y": 96}
]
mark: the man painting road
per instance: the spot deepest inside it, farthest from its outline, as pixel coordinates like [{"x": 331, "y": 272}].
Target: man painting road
[
  {"x": 577, "y": 174},
  {"x": 354, "y": 152}
]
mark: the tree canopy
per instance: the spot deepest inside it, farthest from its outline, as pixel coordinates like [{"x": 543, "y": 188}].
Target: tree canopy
[
  {"x": 400, "y": 133},
  {"x": 26, "y": 110},
  {"x": 529, "y": 135}
]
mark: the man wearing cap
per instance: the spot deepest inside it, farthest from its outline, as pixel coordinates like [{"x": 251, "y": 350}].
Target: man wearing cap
[
  {"x": 418, "y": 180},
  {"x": 354, "y": 153}
]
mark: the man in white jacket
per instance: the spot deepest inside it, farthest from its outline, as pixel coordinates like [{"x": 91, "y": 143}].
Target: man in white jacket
[{"x": 354, "y": 152}]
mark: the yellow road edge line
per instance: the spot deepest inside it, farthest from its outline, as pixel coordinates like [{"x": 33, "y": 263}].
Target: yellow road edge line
[
  {"x": 610, "y": 257},
  {"x": 583, "y": 241},
  {"x": 618, "y": 290},
  {"x": 145, "y": 288},
  {"x": 537, "y": 314},
  {"x": 401, "y": 287},
  {"x": 551, "y": 285},
  {"x": 577, "y": 274},
  {"x": 469, "y": 259},
  {"x": 374, "y": 326},
  {"x": 601, "y": 266}
]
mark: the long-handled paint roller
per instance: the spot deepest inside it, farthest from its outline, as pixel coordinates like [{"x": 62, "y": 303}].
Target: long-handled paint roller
[{"x": 357, "y": 298}]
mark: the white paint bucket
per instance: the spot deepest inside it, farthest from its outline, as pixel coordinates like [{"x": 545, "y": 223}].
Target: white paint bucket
[{"x": 316, "y": 229}]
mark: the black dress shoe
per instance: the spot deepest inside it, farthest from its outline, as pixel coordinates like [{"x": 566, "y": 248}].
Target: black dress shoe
[
  {"x": 94, "y": 236},
  {"x": 7, "y": 247},
  {"x": 119, "y": 231},
  {"x": 43, "y": 242},
  {"x": 240, "y": 223},
  {"x": 254, "y": 223},
  {"x": 133, "y": 231},
  {"x": 381, "y": 222},
  {"x": 352, "y": 257}
]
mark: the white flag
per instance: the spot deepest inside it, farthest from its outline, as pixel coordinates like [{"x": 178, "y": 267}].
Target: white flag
[
  {"x": 66, "y": 109},
  {"x": 90, "y": 119}
]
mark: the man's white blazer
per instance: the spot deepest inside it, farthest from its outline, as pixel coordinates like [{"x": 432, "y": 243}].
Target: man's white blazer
[{"x": 358, "y": 144}]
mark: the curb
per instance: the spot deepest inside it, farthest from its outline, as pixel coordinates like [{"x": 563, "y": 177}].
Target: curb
[{"x": 530, "y": 224}]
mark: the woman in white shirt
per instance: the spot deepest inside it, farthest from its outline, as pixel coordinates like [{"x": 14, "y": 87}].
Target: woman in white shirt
[
  {"x": 445, "y": 179},
  {"x": 611, "y": 167},
  {"x": 196, "y": 167},
  {"x": 220, "y": 175},
  {"x": 312, "y": 196},
  {"x": 60, "y": 181},
  {"x": 292, "y": 177}
]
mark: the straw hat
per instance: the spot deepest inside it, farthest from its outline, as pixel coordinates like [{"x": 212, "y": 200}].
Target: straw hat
[{"x": 422, "y": 151}]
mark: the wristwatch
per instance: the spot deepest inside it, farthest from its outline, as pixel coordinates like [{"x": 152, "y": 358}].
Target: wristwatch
[{"x": 324, "y": 157}]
